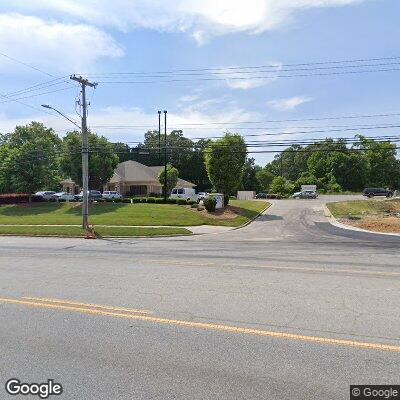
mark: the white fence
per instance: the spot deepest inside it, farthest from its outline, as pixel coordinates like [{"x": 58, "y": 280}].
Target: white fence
[{"x": 243, "y": 195}]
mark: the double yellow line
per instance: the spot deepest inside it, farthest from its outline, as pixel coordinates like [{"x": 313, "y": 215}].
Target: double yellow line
[{"x": 143, "y": 315}]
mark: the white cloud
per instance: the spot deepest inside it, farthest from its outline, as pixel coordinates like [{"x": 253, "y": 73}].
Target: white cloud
[
  {"x": 288, "y": 104},
  {"x": 53, "y": 45},
  {"x": 200, "y": 18}
]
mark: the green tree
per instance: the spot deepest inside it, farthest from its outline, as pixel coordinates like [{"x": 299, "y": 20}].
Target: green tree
[
  {"x": 264, "y": 178},
  {"x": 29, "y": 159},
  {"x": 172, "y": 177},
  {"x": 186, "y": 155},
  {"x": 281, "y": 186},
  {"x": 102, "y": 159},
  {"x": 224, "y": 159},
  {"x": 382, "y": 165},
  {"x": 249, "y": 178}
]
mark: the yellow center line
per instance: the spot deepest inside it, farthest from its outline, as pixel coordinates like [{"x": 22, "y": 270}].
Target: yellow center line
[
  {"x": 215, "y": 327},
  {"x": 87, "y": 305}
]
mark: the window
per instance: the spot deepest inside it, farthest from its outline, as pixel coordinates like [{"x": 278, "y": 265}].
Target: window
[{"x": 181, "y": 191}]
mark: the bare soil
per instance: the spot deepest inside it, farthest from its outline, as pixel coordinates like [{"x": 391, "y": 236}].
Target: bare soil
[
  {"x": 229, "y": 212},
  {"x": 387, "y": 224}
]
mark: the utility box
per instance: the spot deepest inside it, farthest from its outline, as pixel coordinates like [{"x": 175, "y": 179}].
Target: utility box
[
  {"x": 311, "y": 188},
  {"x": 245, "y": 195},
  {"x": 219, "y": 198}
]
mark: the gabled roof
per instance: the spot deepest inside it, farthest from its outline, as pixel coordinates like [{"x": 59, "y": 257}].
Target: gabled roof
[{"x": 133, "y": 171}]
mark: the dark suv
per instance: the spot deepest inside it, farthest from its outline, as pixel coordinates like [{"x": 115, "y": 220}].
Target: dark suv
[
  {"x": 371, "y": 192},
  {"x": 93, "y": 195}
]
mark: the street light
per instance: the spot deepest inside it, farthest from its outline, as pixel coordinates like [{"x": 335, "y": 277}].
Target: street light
[
  {"x": 63, "y": 115},
  {"x": 84, "y": 173}
]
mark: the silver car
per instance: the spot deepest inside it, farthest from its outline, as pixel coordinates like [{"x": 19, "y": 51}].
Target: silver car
[
  {"x": 46, "y": 195},
  {"x": 306, "y": 194}
]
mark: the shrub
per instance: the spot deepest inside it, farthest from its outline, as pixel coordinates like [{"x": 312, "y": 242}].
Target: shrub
[
  {"x": 210, "y": 203},
  {"x": 281, "y": 186},
  {"x": 194, "y": 205},
  {"x": 143, "y": 200},
  {"x": 118, "y": 200},
  {"x": 160, "y": 200},
  {"x": 171, "y": 201},
  {"x": 191, "y": 202},
  {"x": 126, "y": 200},
  {"x": 15, "y": 198},
  {"x": 136, "y": 199},
  {"x": 181, "y": 202},
  {"x": 151, "y": 200}
]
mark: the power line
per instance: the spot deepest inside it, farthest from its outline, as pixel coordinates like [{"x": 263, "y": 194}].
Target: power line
[
  {"x": 380, "y": 115},
  {"x": 34, "y": 95},
  {"x": 224, "y": 73},
  {"x": 253, "y": 77},
  {"x": 255, "y": 67}
]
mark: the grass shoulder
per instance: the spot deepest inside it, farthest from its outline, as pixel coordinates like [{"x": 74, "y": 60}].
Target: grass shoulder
[
  {"x": 76, "y": 231},
  {"x": 121, "y": 214},
  {"x": 374, "y": 215}
]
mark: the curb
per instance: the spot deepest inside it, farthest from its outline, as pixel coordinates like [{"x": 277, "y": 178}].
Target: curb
[
  {"x": 254, "y": 218},
  {"x": 333, "y": 221}
]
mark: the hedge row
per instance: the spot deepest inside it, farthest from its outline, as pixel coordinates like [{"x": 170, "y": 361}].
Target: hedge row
[
  {"x": 16, "y": 198},
  {"x": 152, "y": 200}
]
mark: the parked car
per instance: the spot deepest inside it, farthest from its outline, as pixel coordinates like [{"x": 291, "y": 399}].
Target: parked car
[
  {"x": 93, "y": 195},
  {"x": 63, "y": 196},
  {"x": 371, "y": 192},
  {"x": 184, "y": 193},
  {"x": 202, "y": 195},
  {"x": 45, "y": 195},
  {"x": 111, "y": 194},
  {"x": 305, "y": 194},
  {"x": 261, "y": 195}
]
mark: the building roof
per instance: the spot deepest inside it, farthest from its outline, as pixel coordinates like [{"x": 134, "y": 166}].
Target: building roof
[{"x": 133, "y": 171}]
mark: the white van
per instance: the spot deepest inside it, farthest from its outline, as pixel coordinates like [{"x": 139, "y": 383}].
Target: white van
[{"x": 184, "y": 193}]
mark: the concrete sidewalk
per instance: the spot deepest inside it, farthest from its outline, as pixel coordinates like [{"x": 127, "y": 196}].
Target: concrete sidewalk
[{"x": 197, "y": 229}]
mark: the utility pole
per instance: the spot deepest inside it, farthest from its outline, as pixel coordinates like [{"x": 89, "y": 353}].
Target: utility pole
[
  {"x": 165, "y": 156},
  {"x": 85, "y": 149},
  {"x": 159, "y": 137},
  {"x": 281, "y": 163}
]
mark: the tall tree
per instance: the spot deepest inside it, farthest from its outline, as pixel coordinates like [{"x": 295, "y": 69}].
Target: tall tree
[
  {"x": 172, "y": 177},
  {"x": 29, "y": 159},
  {"x": 224, "y": 160},
  {"x": 102, "y": 159},
  {"x": 383, "y": 169},
  {"x": 264, "y": 178},
  {"x": 249, "y": 178}
]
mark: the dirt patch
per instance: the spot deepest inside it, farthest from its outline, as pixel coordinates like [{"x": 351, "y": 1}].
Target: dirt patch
[
  {"x": 230, "y": 212},
  {"x": 376, "y": 224}
]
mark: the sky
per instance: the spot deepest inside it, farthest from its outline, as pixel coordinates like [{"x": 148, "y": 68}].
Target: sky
[{"x": 218, "y": 44}]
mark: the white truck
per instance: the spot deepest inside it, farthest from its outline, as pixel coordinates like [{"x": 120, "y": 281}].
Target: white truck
[
  {"x": 184, "y": 193},
  {"x": 308, "y": 188}
]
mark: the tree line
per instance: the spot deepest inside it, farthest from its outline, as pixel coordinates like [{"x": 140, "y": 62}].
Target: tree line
[{"x": 34, "y": 157}]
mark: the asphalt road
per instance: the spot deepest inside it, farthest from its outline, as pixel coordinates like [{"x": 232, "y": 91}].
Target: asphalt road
[{"x": 288, "y": 307}]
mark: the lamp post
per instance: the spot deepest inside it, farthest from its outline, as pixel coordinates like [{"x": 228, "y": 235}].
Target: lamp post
[
  {"x": 63, "y": 115},
  {"x": 165, "y": 156},
  {"x": 159, "y": 137}
]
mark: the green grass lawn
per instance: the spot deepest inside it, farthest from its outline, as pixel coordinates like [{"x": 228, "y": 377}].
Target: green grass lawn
[
  {"x": 359, "y": 208},
  {"x": 101, "y": 231},
  {"x": 121, "y": 214}
]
